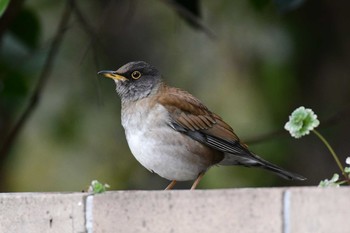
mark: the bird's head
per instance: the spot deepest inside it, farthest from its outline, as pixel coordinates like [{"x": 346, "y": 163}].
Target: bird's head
[{"x": 134, "y": 80}]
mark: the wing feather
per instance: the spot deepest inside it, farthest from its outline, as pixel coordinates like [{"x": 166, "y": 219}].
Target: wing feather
[
  {"x": 197, "y": 121},
  {"x": 189, "y": 116}
]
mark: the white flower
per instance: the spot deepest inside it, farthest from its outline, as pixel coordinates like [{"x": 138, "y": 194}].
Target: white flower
[
  {"x": 347, "y": 169},
  {"x": 301, "y": 122},
  {"x": 330, "y": 183}
]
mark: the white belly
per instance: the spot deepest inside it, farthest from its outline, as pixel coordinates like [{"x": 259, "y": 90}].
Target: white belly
[{"x": 158, "y": 147}]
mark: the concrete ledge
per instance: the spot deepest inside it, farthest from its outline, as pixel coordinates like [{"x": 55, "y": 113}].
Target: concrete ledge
[
  {"x": 240, "y": 210},
  {"x": 280, "y": 210},
  {"x": 42, "y": 212}
]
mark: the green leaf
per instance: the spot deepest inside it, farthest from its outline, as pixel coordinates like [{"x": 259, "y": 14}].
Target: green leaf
[
  {"x": 13, "y": 88},
  {"x": 97, "y": 187},
  {"x": 259, "y": 4},
  {"x": 3, "y": 6},
  {"x": 26, "y": 28},
  {"x": 13, "y": 82}
]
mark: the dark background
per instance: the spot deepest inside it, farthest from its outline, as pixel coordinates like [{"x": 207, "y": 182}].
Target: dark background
[{"x": 252, "y": 62}]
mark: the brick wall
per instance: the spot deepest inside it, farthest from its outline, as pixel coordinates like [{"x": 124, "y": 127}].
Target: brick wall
[{"x": 255, "y": 210}]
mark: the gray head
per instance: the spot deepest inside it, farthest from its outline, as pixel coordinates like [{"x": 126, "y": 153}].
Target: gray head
[{"x": 134, "y": 80}]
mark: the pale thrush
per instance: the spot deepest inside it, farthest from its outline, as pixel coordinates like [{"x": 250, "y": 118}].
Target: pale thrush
[{"x": 171, "y": 133}]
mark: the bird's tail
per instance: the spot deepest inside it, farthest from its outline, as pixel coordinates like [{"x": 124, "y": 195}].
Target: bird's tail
[
  {"x": 255, "y": 161},
  {"x": 278, "y": 170}
]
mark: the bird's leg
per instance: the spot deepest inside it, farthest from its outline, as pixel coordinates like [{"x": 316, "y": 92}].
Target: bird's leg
[
  {"x": 171, "y": 185},
  {"x": 196, "y": 182}
]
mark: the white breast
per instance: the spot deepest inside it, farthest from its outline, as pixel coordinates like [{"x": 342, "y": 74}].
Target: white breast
[{"x": 157, "y": 146}]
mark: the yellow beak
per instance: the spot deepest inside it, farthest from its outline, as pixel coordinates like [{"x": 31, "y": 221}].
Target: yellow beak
[{"x": 112, "y": 74}]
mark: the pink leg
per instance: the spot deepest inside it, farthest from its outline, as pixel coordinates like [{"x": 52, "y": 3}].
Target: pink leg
[
  {"x": 171, "y": 185},
  {"x": 196, "y": 182}
]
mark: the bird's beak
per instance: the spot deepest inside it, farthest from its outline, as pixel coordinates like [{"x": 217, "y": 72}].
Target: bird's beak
[{"x": 112, "y": 74}]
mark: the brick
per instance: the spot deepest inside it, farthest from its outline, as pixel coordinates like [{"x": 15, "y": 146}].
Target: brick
[
  {"x": 321, "y": 210},
  {"x": 42, "y": 212},
  {"x": 235, "y": 210}
]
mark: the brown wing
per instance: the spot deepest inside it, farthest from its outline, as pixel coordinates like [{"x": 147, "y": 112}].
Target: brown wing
[{"x": 191, "y": 117}]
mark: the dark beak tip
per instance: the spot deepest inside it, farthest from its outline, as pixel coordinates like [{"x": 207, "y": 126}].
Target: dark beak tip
[
  {"x": 105, "y": 72},
  {"x": 101, "y": 72}
]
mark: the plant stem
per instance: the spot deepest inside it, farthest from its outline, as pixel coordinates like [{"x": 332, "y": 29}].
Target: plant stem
[{"x": 332, "y": 152}]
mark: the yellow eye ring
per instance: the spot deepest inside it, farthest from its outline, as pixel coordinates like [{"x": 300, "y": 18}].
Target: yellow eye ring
[{"x": 136, "y": 75}]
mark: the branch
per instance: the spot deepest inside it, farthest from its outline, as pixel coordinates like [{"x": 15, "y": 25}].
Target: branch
[
  {"x": 191, "y": 17},
  {"x": 43, "y": 77},
  {"x": 82, "y": 20},
  {"x": 336, "y": 118}
]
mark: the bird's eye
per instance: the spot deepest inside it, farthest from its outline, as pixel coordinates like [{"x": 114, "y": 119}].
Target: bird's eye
[{"x": 136, "y": 75}]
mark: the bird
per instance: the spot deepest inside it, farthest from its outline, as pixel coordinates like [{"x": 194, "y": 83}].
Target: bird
[{"x": 172, "y": 133}]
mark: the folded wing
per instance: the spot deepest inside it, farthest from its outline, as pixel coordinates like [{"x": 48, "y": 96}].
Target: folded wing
[{"x": 189, "y": 116}]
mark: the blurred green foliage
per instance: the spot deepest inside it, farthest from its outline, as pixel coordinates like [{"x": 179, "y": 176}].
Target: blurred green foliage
[
  {"x": 3, "y": 6},
  {"x": 26, "y": 28},
  {"x": 267, "y": 57}
]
